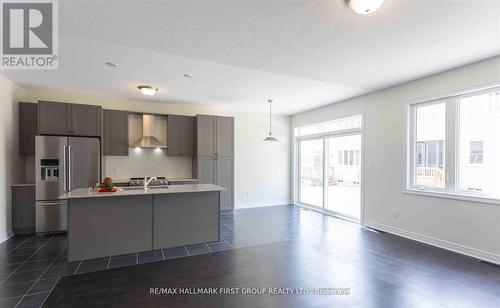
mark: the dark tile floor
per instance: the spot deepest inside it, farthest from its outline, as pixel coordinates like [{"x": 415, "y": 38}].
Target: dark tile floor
[{"x": 390, "y": 267}]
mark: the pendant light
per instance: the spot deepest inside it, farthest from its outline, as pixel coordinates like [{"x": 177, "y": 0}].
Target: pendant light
[{"x": 270, "y": 136}]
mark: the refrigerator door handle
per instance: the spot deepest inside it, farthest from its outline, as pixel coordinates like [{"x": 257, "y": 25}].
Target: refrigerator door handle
[
  {"x": 69, "y": 168},
  {"x": 65, "y": 167}
]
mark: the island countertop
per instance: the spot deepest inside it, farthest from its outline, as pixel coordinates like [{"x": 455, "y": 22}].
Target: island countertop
[{"x": 128, "y": 191}]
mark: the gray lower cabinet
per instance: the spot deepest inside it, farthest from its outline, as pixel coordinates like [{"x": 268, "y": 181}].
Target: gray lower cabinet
[
  {"x": 218, "y": 171},
  {"x": 28, "y": 127},
  {"x": 99, "y": 227},
  {"x": 225, "y": 178},
  {"x": 66, "y": 119},
  {"x": 23, "y": 209},
  {"x": 205, "y": 170},
  {"x": 115, "y": 133},
  {"x": 106, "y": 226},
  {"x": 173, "y": 212}
]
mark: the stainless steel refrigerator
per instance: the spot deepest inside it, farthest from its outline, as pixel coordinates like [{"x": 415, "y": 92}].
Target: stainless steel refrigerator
[{"x": 62, "y": 165}]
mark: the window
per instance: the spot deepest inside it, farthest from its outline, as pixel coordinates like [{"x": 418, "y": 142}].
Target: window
[
  {"x": 430, "y": 136},
  {"x": 332, "y": 126},
  {"x": 479, "y": 143},
  {"x": 454, "y": 144}
]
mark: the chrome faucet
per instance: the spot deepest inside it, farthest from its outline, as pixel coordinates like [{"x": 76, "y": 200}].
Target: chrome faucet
[{"x": 147, "y": 181}]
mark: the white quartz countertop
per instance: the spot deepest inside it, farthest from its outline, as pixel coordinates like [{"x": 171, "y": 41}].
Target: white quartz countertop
[{"x": 124, "y": 191}]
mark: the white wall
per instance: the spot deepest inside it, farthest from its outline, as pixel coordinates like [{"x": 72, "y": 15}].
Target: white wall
[
  {"x": 469, "y": 227},
  {"x": 11, "y": 164},
  {"x": 262, "y": 172}
]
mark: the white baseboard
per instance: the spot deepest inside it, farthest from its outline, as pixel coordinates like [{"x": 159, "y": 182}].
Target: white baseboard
[
  {"x": 260, "y": 204},
  {"x": 5, "y": 236},
  {"x": 468, "y": 251}
]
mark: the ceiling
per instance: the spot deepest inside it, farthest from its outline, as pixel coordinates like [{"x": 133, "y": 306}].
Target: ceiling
[{"x": 302, "y": 54}]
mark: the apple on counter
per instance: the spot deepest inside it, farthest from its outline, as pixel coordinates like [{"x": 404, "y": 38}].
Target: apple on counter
[{"x": 107, "y": 185}]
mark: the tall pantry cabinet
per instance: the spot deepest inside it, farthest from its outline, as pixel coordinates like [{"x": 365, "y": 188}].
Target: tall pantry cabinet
[{"x": 214, "y": 159}]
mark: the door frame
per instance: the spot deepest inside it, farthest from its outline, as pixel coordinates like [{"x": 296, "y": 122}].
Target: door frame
[{"x": 323, "y": 136}]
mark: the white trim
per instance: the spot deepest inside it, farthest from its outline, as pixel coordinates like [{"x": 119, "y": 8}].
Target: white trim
[
  {"x": 452, "y": 195},
  {"x": 5, "y": 236},
  {"x": 448, "y": 95},
  {"x": 468, "y": 251},
  {"x": 261, "y": 204}
]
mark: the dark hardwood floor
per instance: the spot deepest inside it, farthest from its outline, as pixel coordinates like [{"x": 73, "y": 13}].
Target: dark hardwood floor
[{"x": 273, "y": 247}]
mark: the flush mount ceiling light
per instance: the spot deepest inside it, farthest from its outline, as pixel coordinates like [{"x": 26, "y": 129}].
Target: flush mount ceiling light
[
  {"x": 147, "y": 90},
  {"x": 189, "y": 76},
  {"x": 365, "y": 6},
  {"x": 270, "y": 137},
  {"x": 112, "y": 64}
]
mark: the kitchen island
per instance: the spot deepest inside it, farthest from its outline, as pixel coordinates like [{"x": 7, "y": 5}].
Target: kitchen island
[{"x": 131, "y": 220}]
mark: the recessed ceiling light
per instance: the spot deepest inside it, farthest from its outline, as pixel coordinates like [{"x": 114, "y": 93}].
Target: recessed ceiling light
[
  {"x": 112, "y": 64},
  {"x": 365, "y": 6},
  {"x": 187, "y": 76},
  {"x": 147, "y": 90}
]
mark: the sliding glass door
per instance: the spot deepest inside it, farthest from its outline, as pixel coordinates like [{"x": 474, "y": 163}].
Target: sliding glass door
[
  {"x": 330, "y": 173},
  {"x": 311, "y": 172},
  {"x": 343, "y": 191}
]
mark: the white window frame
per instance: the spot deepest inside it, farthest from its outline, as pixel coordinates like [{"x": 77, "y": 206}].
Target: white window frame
[{"x": 451, "y": 144}]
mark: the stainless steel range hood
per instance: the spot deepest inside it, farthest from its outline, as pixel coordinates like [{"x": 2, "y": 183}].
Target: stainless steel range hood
[{"x": 148, "y": 140}]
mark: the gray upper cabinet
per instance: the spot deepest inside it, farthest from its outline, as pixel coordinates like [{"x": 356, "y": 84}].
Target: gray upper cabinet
[
  {"x": 180, "y": 135},
  {"x": 224, "y": 136},
  {"x": 215, "y": 136},
  {"x": 205, "y": 135},
  {"x": 69, "y": 119},
  {"x": 174, "y": 127},
  {"x": 54, "y": 118},
  {"x": 115, "y": 133},
  {"x": 28, "y": 128},
  {"x": 188, "y": 135},
  {"x": 86, "y": 120}
]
